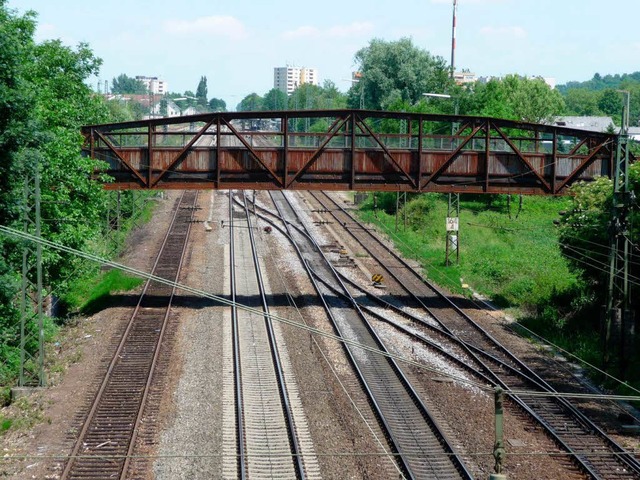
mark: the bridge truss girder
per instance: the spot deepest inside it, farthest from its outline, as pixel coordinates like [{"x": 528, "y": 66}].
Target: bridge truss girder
[{"x": 348, "y": 150}]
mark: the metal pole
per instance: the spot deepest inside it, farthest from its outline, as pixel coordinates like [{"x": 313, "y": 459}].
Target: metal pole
[
  {"x": 397, "y": 207},
  {"x": 452, "y": 234},
  {"x": 453, "y": 39},
  {"x": 499, "y": 452},
  {"x": 32, "y": 364},
  {"x": 619, "y": 322}
]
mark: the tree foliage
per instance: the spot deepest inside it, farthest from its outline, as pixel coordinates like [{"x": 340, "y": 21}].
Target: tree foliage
[
  {"x": 601, "y": 96},
  {"x": 397, "y": 71},
  {"x": 251, "y": 103},
  {"x": 275, "y": 99},
  {"x": 44, "y": 100},
  {"x": 584, "y": 231},
  {"x": 517, "y": 98},
  {"x": 217, "y": 105},
  {"x": 123, "y": 84},
  {"x": 201, "y": 92}
]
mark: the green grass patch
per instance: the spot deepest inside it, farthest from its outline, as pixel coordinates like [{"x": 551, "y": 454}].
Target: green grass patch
[
  {"x": 90, "y": 295},
  {"x": 508, "y": 252}
]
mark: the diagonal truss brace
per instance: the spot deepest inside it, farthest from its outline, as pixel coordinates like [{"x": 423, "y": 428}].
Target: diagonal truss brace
[
  {"x": 252, "y": 152},
  {"x": 135, "y": 172},
  {"x": 362, "y": 124},
  {"x": 334, "y": 129},
  {"x": 452, "y": 157},
  {"x": 522, "y": 157},
  {"x": 180, "y": 155}
]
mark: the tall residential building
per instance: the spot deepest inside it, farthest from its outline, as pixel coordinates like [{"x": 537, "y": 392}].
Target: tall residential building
[
  {"x": 289, "y": 78},
  {"x": 155, "y": 86}
]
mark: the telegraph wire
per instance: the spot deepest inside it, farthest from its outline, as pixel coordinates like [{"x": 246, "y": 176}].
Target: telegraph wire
[{"x": 224, "y": 301}]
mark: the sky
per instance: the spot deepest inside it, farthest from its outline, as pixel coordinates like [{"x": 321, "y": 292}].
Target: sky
[{"x": 236, "y": 44}]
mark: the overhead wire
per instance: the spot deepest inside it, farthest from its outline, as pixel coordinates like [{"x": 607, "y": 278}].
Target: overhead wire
[
  {"x": 292, "y": 302},
  {"x": 227, "y": 302},
  {"x": 432, "y": 267}
]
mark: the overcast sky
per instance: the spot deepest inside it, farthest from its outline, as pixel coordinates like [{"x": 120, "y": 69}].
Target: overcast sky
[{"x": 237, "y": 43}]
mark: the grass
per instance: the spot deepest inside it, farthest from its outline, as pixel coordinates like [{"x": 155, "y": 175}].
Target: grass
[
  {"x": 90, "y": 295},
  {"x": 508, "y": 255}
]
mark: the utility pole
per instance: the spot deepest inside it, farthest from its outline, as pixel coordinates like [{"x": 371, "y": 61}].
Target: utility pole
[
  {"x": 619, "y": 326},
  {"x": 453, "y": 239},
  {"x": 31, "y": 305},
  {"x": 453, "y": 39}
]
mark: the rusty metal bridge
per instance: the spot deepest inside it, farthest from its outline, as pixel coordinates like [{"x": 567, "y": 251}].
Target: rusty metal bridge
[{"x": 348, "y": 150}]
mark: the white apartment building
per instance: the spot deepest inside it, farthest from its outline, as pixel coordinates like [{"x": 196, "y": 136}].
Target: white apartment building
[
  {"x": 289, "y": 78},
  {"x": 155, "y": 86}
]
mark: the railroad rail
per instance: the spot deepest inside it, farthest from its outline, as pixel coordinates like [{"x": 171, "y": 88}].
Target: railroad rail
[
  {"x": 266, "y": 435},
  {"x": 107, "y": 439},
  {"x": 588, "y": 446},
  {"x": 421, "y": 449}
]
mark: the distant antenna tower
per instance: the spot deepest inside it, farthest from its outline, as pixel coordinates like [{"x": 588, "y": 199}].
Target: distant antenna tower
[{"x": 453, "y": 38}]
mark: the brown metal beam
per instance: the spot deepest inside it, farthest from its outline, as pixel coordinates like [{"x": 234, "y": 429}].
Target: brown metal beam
[
  {"x": 522, "y": 157},
  {"x": 253, "y": 152},
  {"x": 375, "y": 165},
  {"x": 407, "y": 175},
  {"x": 122, "y": 159},
  {"x": 577, "y": 171},
  {"x": 451, "y": 158},
  {"x": 336, "y": 126},
  {"x": 180, "y": 155}
]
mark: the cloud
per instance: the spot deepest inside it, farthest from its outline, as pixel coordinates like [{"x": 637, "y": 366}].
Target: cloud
[
  {"x": 337, "y": 31},
  {"x": 509, "y": 31},
  {"x": 224, "y": 26}
]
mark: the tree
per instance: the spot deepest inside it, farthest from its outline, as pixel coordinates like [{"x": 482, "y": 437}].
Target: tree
[
  {"x": 275, "y": 99},
  {"x": 582, "y": 102},
  {"x": 517, "y": 98},
  {"x": 217, "y": 105},
  {"x": 393, "y": 71},
  {"x": 250, "y": 103},
  {"x": 201, "y": 92},
  {"x": 122, "y": 84},
  {"x": 17, "y": 102},
  {"x": 44, "y": 100}
]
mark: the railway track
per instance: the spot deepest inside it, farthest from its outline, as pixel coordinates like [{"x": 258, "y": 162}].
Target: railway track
[
  {"x": 267, "y": 437},
  {"x": 420, "y": 447},
  {"x": 107, "y": 439},
  {"x": 588, "y": 446}
]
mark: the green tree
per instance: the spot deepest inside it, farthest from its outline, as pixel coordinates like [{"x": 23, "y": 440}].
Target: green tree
[
  {"x": 584, "y": 232},
  {"x": 201, "y": 92},
  {"x": 610, "y": 103},
  {"x": 250, "y": 103},
  {"x": 275, "y": 99},
  {"x": 217, "y": 105},
  {"x": 123, "y": 84},
  {"x": 582, "y": 102},
  {"x": 329, "y": 97},
  {"x": 17, "y": 101},
  {"x": 517, "y": 98},
  {"x": 397, "y": 71}
]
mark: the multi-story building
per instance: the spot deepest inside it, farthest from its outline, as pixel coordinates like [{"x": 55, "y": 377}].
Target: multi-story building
[
  {"x": 155, "y": 86},
  {"x": 289, "y": 78}
]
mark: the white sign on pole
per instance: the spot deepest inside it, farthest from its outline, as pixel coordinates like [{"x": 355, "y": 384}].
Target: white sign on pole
[{"x": 452, "y": 224}]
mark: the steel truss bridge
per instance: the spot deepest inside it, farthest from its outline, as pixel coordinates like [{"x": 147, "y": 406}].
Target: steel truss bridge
[{"x": 348, "y": 150}]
